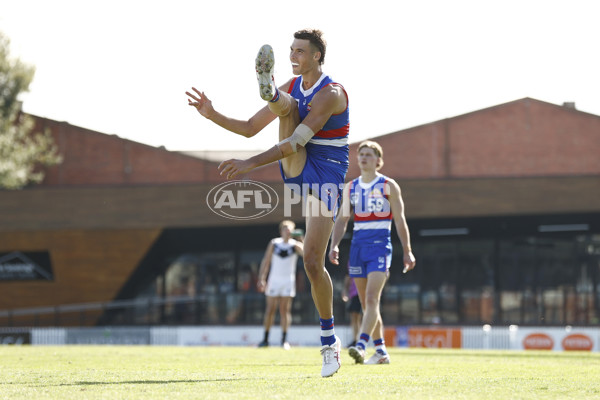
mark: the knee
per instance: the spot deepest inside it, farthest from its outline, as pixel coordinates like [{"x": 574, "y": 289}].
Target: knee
[
  {"x": 371, "y": 302},
  {"x": 313, "y": 268}
]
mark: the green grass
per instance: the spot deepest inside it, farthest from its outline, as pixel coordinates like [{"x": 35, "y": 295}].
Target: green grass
[{"x": 141, "y": 372}]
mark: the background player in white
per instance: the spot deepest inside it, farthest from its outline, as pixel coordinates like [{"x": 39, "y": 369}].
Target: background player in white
[
  {"x": 376, "y": 200},
  {"x": 314, "y": 125},
  {"x": 277, "y": 279}
]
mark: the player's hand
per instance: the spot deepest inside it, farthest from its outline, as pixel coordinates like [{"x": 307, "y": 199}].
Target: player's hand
[
  {"x": 334, "y": 255},
  {"x": 409, "y": 262},
  {"x": 200, "y": 102},
  {"x": 233, "y": 168},
  {"x": 261, "y": 285}
]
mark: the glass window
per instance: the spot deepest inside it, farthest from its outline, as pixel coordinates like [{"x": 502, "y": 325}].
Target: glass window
[
  {"x": 544, "y": 280},
  {"x": 476, "y": 281},
  {"x": 517, "y": 280},
  {"x": 438, "y": 268},
  {"x": 193, "y": 285}
]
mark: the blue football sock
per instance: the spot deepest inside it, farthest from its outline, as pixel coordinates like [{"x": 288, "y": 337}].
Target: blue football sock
[
  {"x": 327, "y": 332},
  {"x": 380, "y": 346},
  {"x": 363, "y": 341}
]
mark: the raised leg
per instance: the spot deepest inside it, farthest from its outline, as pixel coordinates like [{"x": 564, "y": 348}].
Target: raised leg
[{"x": 281, "y": 104}]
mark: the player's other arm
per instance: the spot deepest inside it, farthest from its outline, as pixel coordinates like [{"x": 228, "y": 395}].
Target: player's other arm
[
  {"x": 397, "y": 207},
  {"x": 340, "y": 226},
  {"x": 265, "y": 266},
  {"x": 325, "y": 103}
]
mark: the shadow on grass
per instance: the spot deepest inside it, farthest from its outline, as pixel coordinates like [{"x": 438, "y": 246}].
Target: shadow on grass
[
  {"x": 161, "y": 382},
  {"x": 154, "y": 382}
]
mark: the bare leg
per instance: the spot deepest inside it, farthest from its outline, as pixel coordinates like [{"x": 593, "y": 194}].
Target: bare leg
[
  {"x": 378, "y": 330},
  {"x": 318, "y": 230},
  {"x": 355, "y": 322},
  {"x": 289, "y": 119},
  {"x": 370, "y": 299},
  {"x": 285, "y": 312},
  {"x": 270, "y": 312}
]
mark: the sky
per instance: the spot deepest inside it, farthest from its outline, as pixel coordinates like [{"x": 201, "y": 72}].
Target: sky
[{"x": 122, "y": 67}]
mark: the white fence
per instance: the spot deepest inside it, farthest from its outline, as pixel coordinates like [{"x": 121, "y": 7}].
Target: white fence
[{"x": 485, "y": 337}]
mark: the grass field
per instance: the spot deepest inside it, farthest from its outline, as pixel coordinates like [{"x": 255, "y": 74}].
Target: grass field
[{"x": 140, "y": 372}]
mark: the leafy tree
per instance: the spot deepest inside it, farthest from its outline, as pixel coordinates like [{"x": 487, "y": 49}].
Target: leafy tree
[{"x": 22, "y": 151}]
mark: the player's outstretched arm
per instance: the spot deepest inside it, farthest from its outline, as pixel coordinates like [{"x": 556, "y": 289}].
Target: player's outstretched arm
[
  {"x": 248, "y": 128},
  {"x": 325, "y": 104},
  {"x": 232, "y": 168}
]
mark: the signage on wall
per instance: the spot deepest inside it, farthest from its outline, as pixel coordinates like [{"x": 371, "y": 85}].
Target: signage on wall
[
  {"x": 433, "y": 337},
  {"x": 26, "y": 266},
  {"x": 538, "y": 341}
]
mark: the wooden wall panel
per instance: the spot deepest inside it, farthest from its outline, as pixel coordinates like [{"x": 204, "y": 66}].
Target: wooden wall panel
[
  {"x": 88, "y": 266},
  {"x": 445, "y": 198}
]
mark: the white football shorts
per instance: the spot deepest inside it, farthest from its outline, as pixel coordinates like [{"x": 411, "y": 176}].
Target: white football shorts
[{"x": 281, "y": 288}]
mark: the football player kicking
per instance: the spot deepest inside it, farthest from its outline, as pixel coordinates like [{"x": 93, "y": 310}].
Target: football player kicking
[{"x": 312, "y": 152}]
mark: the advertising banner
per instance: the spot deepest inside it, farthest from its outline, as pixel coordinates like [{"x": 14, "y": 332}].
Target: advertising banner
[
  {"x": 429, "y": 337},
  {"x": 562, "y": 339}
]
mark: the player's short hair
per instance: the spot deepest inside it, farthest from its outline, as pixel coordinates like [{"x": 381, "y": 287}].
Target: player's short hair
[
  {"x": 288, "y": 223},
  {"x": 377, "y": 149},
  {"x": 315, "y": 37}
]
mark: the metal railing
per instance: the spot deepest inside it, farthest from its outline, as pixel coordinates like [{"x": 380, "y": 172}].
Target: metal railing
[{"x": 399, "y": 306}]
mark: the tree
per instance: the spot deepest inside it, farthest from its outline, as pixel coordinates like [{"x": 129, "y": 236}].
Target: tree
[{"x": 22, "y": 151}]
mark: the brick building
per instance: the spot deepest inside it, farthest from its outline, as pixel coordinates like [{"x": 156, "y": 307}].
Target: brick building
[{"x": 503, "y": 206}]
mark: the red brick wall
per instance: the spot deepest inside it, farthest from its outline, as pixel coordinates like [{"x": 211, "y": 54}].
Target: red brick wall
[
  {"x": 93, "y": 158},
  {"x": 413, "y": 153},
  {"x": 523, "y": 138},
  {"x": 519, "y": 139}
]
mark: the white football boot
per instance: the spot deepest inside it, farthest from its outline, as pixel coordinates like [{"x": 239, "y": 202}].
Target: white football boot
[
  {"x": 378, "y": 358},
  {"x": 358, "y": 353},
  {"x": 331, "y": 358},
  {"x": 265, "y": 65}
]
